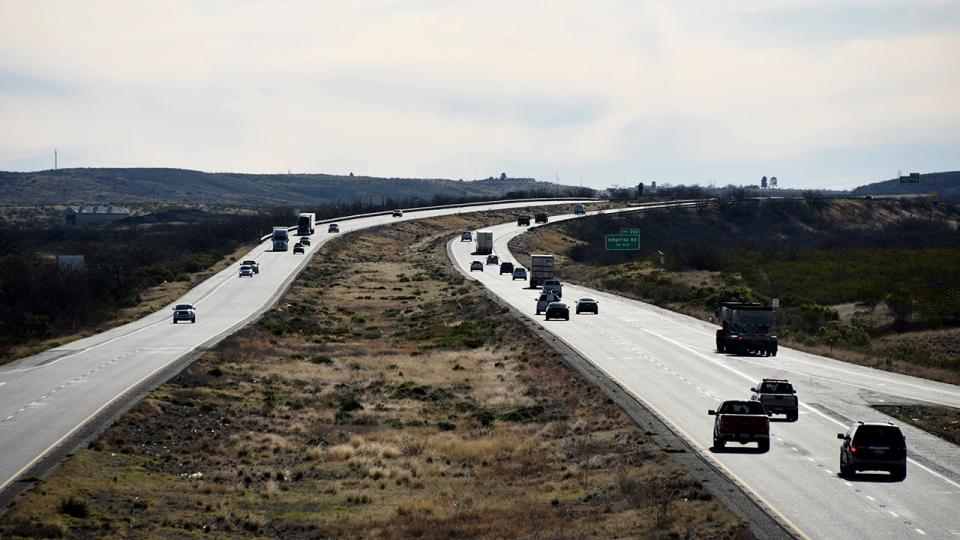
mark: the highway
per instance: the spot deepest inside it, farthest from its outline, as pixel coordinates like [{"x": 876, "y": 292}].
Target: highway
[
  {"x": 48, "y": 400},
  {"x": 668, "y": 361}
]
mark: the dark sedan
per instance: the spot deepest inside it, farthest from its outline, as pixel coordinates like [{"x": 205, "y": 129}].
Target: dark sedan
[
  {"x": 587, "y": 305},
  {"x": 558, "y": 310}
]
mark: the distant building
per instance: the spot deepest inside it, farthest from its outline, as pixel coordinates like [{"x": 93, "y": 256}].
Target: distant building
[{"x": 94, "y": 215}]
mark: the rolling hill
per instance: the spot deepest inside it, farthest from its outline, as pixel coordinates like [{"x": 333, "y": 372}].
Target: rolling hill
[
  {"x": 149, "y": 185},
  {"x": 946, "y": 184}
]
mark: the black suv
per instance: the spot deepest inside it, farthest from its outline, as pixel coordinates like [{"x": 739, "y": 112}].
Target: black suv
[
  {"x": 506, "y": 268},
  {"x": 873, "y": 446}
]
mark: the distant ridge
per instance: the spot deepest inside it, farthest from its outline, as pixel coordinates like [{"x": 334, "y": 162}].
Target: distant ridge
[
  {"x": 946, "y": 184},
  {"x": 162, "y": 185}
]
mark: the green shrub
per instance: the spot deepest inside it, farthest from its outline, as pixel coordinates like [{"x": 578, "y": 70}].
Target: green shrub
[{"x": 74, "y": 507}]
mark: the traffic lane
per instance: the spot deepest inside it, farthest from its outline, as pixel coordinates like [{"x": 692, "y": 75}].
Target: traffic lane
[{"x": 804, "y": 454}]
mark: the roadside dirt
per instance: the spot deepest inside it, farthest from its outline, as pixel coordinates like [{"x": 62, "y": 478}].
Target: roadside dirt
[
  {"x": 384, "y": 396},
  {"x": 944, "y": 422}
]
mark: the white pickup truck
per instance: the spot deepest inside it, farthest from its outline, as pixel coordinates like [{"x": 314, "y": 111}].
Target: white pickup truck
[{"x": 778, "y": 397}]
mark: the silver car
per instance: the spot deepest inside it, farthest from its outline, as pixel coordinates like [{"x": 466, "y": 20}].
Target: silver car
[{"x": 246, "y": 271}]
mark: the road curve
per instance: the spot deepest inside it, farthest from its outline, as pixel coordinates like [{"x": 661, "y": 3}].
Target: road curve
[
  {"x": 668, "y": 362},
  {"x": 49, "y": 400}
]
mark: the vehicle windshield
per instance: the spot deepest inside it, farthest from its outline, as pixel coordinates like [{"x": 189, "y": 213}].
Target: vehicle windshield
[
  {"x": 741, "y": 407},
  {"x": 776, "y": 388},
  {"x": 587, "y": 301},
  {"x": 880, "y": 435}
]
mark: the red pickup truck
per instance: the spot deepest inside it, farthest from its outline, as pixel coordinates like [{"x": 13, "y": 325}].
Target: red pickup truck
[{"x": 742, "y": 422}]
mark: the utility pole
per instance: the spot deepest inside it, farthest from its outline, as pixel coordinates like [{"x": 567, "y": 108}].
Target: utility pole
[{"x": 55, "y": 164}]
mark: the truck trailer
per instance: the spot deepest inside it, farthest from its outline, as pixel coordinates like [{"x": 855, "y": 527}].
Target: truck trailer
[
  {"x": 746, "y": 329},
  {"x": 541, "y": 269},
  {"x": 484, "y": 242},
  {"x": 306, "y": 223},
  {"x": 281, "y": 238}
]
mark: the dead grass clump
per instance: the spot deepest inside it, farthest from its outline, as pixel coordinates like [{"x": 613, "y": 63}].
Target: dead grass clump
[
  {"x": 415, "y": 508},
  {"x": 458, "y": 448},
  {"x": 340, "y": 452},
  {"x": 254, "y": 522}
]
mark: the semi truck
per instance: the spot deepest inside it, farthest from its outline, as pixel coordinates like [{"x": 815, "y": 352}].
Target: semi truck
[
  {"x": 281, "y": 238},
  {"x": 747, "y": 328},
  {"x": 306, "y": 223},
  {"x": 540, "y": 217},
  {"x": 541, "y": 269},
  {"x": 484, "y": 242}
]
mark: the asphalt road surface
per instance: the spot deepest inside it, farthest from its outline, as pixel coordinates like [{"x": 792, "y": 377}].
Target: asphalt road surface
[
  {"x": 48, "y": 400},
  {"x": 669, "y": 362}
]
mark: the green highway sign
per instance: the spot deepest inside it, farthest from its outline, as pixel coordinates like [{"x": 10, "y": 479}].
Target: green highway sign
[
  {"x": 622, "y": 242},
  {"x": 914, "y": 178},
  {"x": 628, "y": 230}
]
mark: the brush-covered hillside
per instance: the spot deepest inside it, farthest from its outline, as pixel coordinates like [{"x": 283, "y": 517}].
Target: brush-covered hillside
[{"x": 76, "y": 186}]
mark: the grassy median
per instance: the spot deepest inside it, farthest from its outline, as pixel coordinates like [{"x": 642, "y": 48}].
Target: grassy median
[{"x": 383, "y": 396}]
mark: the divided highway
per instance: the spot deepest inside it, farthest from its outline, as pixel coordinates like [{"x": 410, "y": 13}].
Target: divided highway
[
  {"x": 668, "y": 361},
  {"x": 48, "y": 400}
]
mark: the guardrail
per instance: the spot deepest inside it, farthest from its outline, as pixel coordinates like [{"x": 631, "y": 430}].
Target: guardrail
[{"x": 423, "y": 208}]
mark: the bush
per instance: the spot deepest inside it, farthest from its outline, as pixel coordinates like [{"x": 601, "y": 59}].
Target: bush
[{"x": 74, "y": 507}]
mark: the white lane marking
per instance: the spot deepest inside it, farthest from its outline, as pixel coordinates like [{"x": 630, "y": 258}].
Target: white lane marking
[
  {"x": 88, "y": 349},
  {"x": 811, "y": 460},
  {"x": 894, "y": 514},
  {"x": 871, "y": 499},
  {"x": 848, "y": 483},
  {"x": 921, "y": 531},
  {"x": 2, "y": 383},
  {"x": 828, "y": 471}
]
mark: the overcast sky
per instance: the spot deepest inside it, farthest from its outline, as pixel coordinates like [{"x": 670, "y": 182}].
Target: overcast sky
[{"x": 828, "y": 93}]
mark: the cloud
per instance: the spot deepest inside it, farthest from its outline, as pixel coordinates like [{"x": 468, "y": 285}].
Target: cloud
[{"x": 613, "y": 90}]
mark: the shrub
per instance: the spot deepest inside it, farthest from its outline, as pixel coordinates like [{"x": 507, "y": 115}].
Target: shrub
[{"x": 74, "y": 507}]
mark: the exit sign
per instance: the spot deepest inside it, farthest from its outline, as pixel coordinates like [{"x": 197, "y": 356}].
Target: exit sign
[
  {"x": 914, "y": 178},
  {"x": 618, "y": 242},
  {"x": 633, "y": 231}
]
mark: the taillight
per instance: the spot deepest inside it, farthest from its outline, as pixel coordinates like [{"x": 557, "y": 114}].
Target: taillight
[
  {"x": 740, "y": 338},
  {"x": 853, "y": 449}
]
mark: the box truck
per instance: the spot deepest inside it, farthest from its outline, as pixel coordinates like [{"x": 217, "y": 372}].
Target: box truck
[
  {"x": 541, "y": 269},
  {"x": 484, "y": 242}
]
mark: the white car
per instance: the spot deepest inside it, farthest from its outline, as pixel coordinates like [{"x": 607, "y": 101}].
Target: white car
[
  {"x": 246, "y": 271},
  {"x": 184, "y": 312}
]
